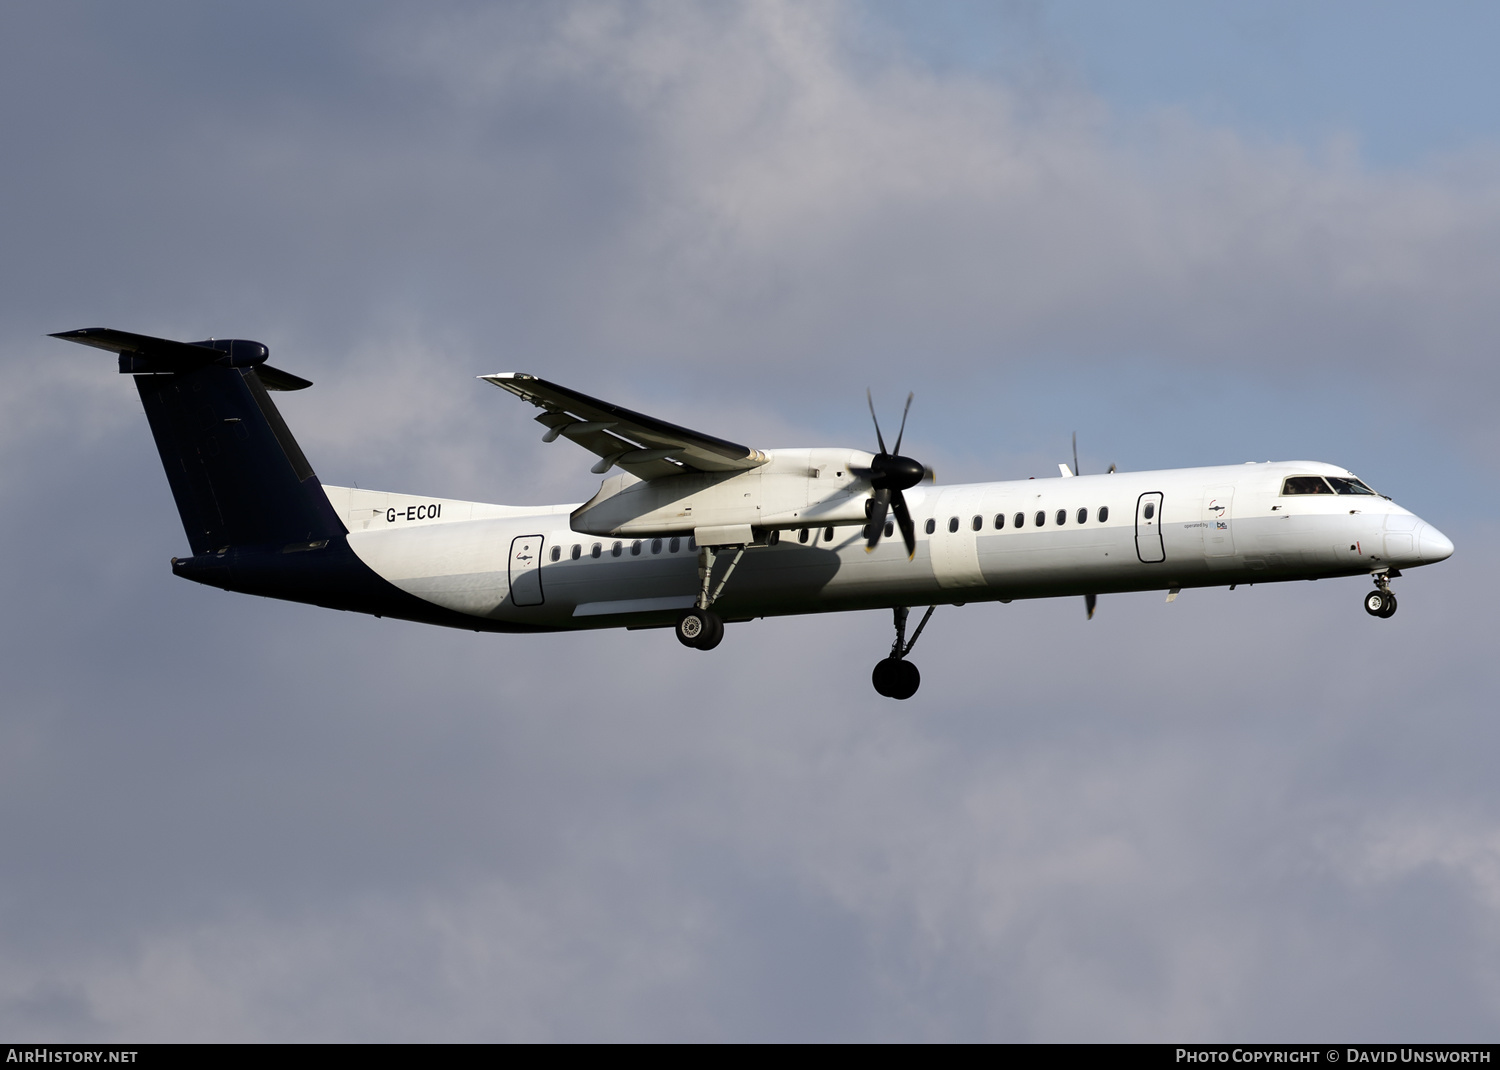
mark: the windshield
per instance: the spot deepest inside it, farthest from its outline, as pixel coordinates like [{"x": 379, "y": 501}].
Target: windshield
[
  {"x": 1305, "y": 485},
  {"x": 1344, "y": 485}
]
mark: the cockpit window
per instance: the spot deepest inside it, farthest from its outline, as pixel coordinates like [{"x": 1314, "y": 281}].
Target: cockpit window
[
  {"x": 1305, "y": 485},
  {"x": 1344, "y": 485}
]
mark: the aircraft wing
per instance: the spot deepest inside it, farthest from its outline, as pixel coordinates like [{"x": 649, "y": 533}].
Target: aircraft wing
[{"x": 644, "y": 446}]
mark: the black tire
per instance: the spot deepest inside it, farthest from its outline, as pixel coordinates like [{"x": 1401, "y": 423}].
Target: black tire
[
  {"x": 1375, "y": 603},
  {"x": 886, "y": 676},
  {"x": 692, "y": 626},
  {"x": 908, "y": 679},
  {"x": 1389, "y": 609},
  {"x": 714, "y": 635}
]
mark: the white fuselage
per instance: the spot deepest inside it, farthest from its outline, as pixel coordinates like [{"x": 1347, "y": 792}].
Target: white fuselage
[{"x": 530, "y": 568}]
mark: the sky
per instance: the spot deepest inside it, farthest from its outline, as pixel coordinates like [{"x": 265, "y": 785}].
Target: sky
[{"x": 1192, "y": 233}]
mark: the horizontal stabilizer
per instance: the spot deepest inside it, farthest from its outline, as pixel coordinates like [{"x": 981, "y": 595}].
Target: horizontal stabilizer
[
  {"x": 141, "y": 354},
  {"x": 276, "y": 379}
]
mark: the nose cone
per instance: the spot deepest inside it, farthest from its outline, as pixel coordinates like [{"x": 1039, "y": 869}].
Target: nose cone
[{"x": 1433, "y": 545}]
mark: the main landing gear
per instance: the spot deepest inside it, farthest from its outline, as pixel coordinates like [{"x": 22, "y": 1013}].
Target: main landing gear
[
  {"x": 1381, "y": 602},
  {"x": 895, "y": 677},
  {"x": 700, "y": 627}
]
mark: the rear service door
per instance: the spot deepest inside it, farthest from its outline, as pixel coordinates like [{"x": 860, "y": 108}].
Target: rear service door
[
  {"x": 526, "y": 570},
  {"x": 1148, "y": 545}
]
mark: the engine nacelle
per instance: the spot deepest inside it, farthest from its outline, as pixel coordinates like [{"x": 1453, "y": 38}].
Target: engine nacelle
[{"x": 794, "y": 488}]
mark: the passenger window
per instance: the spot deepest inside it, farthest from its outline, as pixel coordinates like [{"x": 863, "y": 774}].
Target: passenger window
[
  {"x": 614, "y": 551},
  {"x": 1103, "y": 514},
  {"x": 977, "y": 523},
  {"x": 773, "y": 538},
  {"x": 1305, "y": 485},
  {"x": 596, "y": 551},
  {"x": 557, "y": 553},
  {"x": 999, "y": 521},
  {"x": 802, "y": 535},
  {"x": 1150, "y": 510},
  {"x": 1040, "y": 518},
  {"x": 827, "y": 534},
  {"x": 692, "y": 542},
  {"x": 1020, "y": 520},
  {"x": 931, "y": 525},
  {"x": 1083, "y": 516},
  {"x": 890, "y": 528},
  {"x": 674, "y": 545},
  {"x": 952, "y": 524},
  {"x": 635, "y": 548},
  {"x": 1341, "y": 485},
  {"x": 577, "y": 551},
  {"x": 1062, "y": 517},
  {"x": 656, "y": 546}
]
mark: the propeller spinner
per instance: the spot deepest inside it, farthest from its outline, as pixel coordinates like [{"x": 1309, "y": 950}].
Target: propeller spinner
[{"x": 890, "y": 474}]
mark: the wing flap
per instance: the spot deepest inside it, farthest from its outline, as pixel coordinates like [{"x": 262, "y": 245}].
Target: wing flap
[{"x": 642, "y": 445}]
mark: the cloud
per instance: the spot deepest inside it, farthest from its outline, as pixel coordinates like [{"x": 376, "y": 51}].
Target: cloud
[{"x": 1257, "y": 813}]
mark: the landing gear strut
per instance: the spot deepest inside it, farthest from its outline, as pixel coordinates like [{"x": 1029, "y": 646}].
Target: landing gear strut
[
  {"x": 700, "y": 627},
  {"x": 1381, "y": 602},
  {"x": 895, "y": 677}
]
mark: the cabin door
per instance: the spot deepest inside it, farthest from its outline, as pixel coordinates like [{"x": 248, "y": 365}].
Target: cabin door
[
  {"x": 1218, "y": 515},
  {"x": 526, "y": 570},
  {"x": 1148, "y": 544}
]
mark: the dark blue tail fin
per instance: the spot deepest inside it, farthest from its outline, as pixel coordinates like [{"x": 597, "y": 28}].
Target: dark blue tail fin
[{"x": 238, "y": 475}]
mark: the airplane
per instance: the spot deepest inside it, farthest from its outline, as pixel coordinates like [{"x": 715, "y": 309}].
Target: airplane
[{"x": 690, "y": 532}]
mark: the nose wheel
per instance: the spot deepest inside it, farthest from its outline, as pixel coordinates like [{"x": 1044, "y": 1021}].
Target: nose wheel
[
  {"x": 895, "y": 677},
  {"x": 1381, "y": 602}
]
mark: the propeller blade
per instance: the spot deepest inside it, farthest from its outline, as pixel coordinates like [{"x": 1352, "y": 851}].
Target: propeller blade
[
  {"x": 880, "y": 503},
  {"x": 902, "y": 433},
  {"x": 1090, "y": 601},
  {"x": 878, "y": 437},
  {"x": 904, "y": 522},
  {"x": 1075, "y": 453}
]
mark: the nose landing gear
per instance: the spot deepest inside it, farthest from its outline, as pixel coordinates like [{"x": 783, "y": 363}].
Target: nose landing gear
[
  {"x": 895, "y": 677},
  {"x": 1381, "y": 602}
]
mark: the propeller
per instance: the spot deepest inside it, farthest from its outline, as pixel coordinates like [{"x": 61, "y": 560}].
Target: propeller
[
  {"x": 1089, "y": 600},
  {"x": 890, "y": 474}
]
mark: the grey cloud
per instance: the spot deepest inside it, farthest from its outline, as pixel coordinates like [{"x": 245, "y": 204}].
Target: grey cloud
[{"x": 1256, "y": 813}]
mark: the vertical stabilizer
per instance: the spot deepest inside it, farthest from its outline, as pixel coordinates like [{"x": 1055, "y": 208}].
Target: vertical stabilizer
[{"x": 238, "y": 475}]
